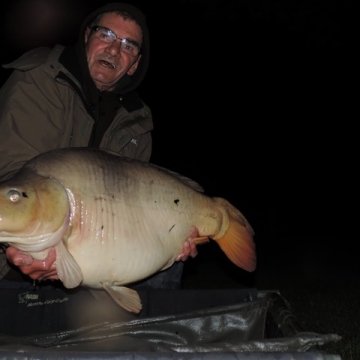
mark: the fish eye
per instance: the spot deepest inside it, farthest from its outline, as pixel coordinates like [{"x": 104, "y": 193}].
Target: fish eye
[{"x": 13, "y": 195}]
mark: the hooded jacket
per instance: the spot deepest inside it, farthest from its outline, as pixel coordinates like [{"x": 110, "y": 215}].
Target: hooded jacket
[{"x": 50, "y": 101}]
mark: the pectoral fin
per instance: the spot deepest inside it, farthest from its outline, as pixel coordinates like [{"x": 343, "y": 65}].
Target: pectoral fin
[
  {"x": 127, "y": 298},
  {"x": 68, "y": 270}
]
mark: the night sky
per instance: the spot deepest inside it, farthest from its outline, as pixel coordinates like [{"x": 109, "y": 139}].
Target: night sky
[{"x": 250, "y": 98}]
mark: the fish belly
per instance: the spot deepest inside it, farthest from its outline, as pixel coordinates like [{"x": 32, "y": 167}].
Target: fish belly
[{"x": 136, "y": 230}]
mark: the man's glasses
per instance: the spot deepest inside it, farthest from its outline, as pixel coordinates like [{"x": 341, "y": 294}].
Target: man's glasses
[{"x": 127, "y": 46}]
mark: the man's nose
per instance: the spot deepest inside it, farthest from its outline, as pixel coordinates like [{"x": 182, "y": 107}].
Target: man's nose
[{"x": 114, "y": 48}]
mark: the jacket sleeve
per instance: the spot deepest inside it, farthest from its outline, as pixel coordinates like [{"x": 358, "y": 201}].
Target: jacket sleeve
[
  {"x": 130, "y": 134},
  {"x": 145, "y": 148},
  {"x": 31, "y": 118},
  {"x": 144, "y": 141}
]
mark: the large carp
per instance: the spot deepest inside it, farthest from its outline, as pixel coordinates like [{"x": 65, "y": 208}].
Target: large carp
[{"x": 113, "y": 220}]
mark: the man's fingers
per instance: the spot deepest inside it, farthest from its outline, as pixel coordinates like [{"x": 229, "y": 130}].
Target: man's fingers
[
  {"x": 185, "y": 252},
  {"x": 189, "y": 249},
  {"x": 193, "y": 248},
  {"x": 17, "y": 257},
  {"x": 35, "y": 269},
  {"x": 49, "y": 262}
]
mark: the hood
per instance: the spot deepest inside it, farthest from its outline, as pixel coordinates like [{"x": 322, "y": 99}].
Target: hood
[{"x": 128, "y": 83}]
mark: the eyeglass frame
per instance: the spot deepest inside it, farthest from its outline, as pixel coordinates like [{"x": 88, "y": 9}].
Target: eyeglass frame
[{"x": 125, "y": 41}]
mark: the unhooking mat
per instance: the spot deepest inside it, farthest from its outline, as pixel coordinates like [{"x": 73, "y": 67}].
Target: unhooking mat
[{"x": 174, "y": 324}]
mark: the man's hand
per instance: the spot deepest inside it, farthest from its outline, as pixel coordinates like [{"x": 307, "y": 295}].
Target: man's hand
[
  {"x": 189, "y": 248},
  {"x": 35, "y": 269}
]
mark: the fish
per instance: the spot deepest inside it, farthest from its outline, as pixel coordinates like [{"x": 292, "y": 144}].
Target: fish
[{"x": 114, "y": 220}]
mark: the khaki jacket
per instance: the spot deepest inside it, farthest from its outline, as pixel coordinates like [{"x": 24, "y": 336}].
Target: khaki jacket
[{"x": 35, "y": 97}]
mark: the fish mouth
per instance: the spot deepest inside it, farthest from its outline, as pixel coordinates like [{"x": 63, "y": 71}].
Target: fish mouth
[{"x": 107, "y": 64}]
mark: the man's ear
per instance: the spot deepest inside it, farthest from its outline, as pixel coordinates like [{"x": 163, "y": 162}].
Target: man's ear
[
  {"x": 87, "y": 34},
  {"x": 133, "y": 68}
]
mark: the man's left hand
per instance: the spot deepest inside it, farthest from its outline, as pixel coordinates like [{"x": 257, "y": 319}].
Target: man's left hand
[{"x": 189, "y": 248}]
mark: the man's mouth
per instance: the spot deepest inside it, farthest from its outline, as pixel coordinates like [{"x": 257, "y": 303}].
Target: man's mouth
[{"x": 107, "y": 64}]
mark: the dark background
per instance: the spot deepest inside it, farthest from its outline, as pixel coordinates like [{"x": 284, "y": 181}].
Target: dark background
[
  {"x": 255, "y": 100},
  {"x": 250, "y": 98}
]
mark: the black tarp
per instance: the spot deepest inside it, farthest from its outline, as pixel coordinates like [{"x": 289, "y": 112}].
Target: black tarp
[{"x": 174, "y": 324}]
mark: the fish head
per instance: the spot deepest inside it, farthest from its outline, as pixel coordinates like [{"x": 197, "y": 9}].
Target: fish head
[{"x": 31, "y": 207}]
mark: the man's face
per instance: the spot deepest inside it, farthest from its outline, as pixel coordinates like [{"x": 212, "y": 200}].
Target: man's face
[{"x": 107, "y": 63}]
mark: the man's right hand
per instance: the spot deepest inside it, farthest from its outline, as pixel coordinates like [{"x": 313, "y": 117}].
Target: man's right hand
[{"x": 35, "y": 269}]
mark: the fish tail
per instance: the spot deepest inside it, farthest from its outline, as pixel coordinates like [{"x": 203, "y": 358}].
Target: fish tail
[{"x": 236, "y": 237}]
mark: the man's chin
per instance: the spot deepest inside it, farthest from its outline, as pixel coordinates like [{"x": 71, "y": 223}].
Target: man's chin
[{"x": 104, "y": 83}]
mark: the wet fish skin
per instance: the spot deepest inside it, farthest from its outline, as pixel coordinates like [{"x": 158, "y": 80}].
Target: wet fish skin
[{"x": 114, "y": 220}]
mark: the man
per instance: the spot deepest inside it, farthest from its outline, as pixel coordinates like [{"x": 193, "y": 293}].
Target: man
[{"x": 80, "y": 96}]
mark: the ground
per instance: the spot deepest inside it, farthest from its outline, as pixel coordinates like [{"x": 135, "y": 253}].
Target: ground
[{"x": 320, "y": 282}]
